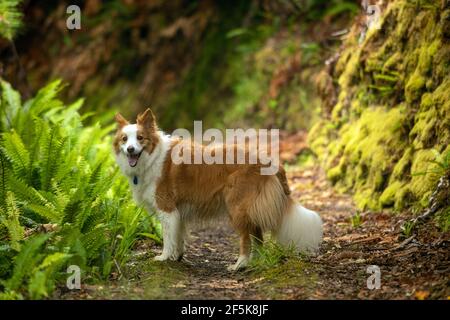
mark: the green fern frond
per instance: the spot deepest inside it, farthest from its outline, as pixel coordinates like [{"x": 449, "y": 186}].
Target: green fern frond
[
  {"x": 34, "y": 149},
  {"x": 72, "y": 210},
  {"x": 15, "y": 151},
  {"x": 4, "y": 173},
  {"x": 69, "y": 116},
  {"x": 10, "y": 18},
  {"x": 10, "y": 219},
  {"x": 51, "y": 146},
  {"x": 47, "y": 212},
  {"x": 11, "y": 104},
  {"x": 26, "y": 260},
  {"x": 93, "y": 240},
  {"x": 95, "y": 216},
  {"x": 61, "y": 197},
  {"x": 27, "y": 194},
  {"x": 46, "y": 99},
  {"x": 37, "y": 286}
]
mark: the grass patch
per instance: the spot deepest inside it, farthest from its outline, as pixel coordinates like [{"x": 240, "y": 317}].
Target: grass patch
[
  {"x": 270, "y": 255},
  {"x": 277, "y": 268},
  {"x": 356, "y": 220}
]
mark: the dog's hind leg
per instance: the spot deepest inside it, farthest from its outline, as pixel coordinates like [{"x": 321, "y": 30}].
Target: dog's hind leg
[
  {"x": 244, "y": 252},
  {"x": 174, "y": 233},
  {"x": 239, "y": 199},
  {"x": 257, "y": 240}
]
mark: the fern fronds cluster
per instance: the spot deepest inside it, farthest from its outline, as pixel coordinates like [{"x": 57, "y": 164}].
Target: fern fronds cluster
[{"x": 57, "y": 173}]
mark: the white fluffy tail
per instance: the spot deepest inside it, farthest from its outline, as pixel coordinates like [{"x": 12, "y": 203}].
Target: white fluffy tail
[{"x": 302, "y": 228}]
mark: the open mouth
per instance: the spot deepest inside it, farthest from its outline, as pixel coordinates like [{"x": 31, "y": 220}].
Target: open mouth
[{"x": 133, "y": 159}]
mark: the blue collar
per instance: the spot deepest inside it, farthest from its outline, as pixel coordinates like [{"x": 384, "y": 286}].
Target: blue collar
[{"x": 135, "y": 180}]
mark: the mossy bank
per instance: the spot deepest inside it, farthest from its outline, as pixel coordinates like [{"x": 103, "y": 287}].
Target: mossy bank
[{"x": 391, "y": 118}]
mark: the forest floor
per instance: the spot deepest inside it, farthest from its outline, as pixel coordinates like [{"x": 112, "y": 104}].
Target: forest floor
[{"x": 417, "y": 268}]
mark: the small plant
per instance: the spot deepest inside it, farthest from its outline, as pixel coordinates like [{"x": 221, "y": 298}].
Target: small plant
[
  {"x": 443, "y": 219},
  {"x": 440, "y": 165},
  {"x": 356, "y": 220},
  {"x": 270, "y": 255},
  {"x": 407, "y": 228}
]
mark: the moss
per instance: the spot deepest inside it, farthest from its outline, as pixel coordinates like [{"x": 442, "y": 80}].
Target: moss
[
  {"x": 364, "y": 198},
  {"x": 433, "y": 119},
  {"x": 292, "y": 273},
  {"x": 368, "y": 146},
  {"x": 319, "y": 138},
  {"x": 336, "y": 173},
  {"x": 424, "y": 129},
  {"x": 381, "y": 140},
  {"x": 413, "y": 89},
  {"x": 350, "y": 70},
  {"x": 393, "y": 62},
  {"x": 403, "y": 198},
  {"x": 403, "y": 166},
  {"x": 422, "y": 184},
  {"x": 387, "y": 198}
]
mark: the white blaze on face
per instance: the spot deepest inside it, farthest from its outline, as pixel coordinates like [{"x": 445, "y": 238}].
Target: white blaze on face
[{"x": 132, "y": 143}]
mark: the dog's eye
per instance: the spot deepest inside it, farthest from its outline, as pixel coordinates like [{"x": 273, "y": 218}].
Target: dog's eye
[
  {"x": 124, "y": 138},
  {"x": 140, "y": 138}
]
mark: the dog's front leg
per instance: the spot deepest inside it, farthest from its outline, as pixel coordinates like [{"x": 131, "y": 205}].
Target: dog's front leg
[{"x": 174, "y": 231}]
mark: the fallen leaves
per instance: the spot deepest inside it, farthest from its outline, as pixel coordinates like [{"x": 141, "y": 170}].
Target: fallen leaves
[{"x": 421, "y": 295}]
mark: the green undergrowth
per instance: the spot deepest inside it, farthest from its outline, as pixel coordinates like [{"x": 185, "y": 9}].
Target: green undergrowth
[
  {"x": 392, "y": 117},
  {"x": 275, "y": 268},
  {"x": 62, "y": 199}
]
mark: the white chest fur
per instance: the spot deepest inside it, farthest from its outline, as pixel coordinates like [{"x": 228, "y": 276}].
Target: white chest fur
[{"x": 143, "y": 178}]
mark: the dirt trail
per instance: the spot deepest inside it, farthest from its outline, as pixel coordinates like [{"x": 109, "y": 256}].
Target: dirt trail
[{"x": 416, "y": 269}]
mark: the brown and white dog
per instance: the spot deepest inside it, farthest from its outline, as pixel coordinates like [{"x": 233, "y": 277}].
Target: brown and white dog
[{"x": 182, "y": 193}]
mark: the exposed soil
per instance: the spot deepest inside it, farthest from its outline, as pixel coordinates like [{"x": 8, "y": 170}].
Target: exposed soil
[{"x": 417, "y": 268}]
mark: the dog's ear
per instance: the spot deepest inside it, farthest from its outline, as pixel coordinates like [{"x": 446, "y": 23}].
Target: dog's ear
[
  {"x": 147, "y": 119},
  {"x": 121, "y": 121}
]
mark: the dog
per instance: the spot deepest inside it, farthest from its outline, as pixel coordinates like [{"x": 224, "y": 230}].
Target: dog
[{"x": 183, "y": 192}]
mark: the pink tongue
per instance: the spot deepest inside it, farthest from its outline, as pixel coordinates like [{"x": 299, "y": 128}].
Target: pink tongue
[{"x": 132, "y": 160}]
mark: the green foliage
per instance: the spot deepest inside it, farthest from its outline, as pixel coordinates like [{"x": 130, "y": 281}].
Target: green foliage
[
  {"x": 407, "y": 228},
  {"x": 10, "y": 18},
  {"x": 270, "y": 255},
  {"x": 356, "y": 220},
  {"x": 443, "y": 219},
  {"x": 62, "y": 200},
  {"x": 392, "y": 114}
]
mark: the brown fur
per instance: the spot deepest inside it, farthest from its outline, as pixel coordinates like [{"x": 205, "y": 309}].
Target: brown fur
[{"x": 255, "y": 203}]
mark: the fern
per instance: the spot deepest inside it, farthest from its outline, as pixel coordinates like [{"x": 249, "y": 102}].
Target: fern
[
  {"x": 4, "y": 172},
  {"x": 55, "y": 170},
  {"x": 51, "y": 147},
  {"x": 16, "y": 152},
  {"x": 10, "y": 18},
  {"x": 26, "y": 193},
  {"x": 25, "y": 261},
  {"x": 42, "y": 281},
  {"x": 46, "y": 99},
  {"x": 10, "y": 219},
  {"x": 11, "y": 104}
]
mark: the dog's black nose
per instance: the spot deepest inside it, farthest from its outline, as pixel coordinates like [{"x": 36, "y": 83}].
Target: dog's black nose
[{"x": 130, "y": 149}]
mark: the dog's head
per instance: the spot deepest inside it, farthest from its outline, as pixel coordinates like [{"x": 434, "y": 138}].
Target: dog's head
[{"x": 133, "y": 139}]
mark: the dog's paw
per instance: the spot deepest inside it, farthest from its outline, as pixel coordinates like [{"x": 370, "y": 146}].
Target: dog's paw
[
  {"x": 240, "y": 264},
  {"x": 172, "y": 257},
  {"x": 161, "y": 257}
]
